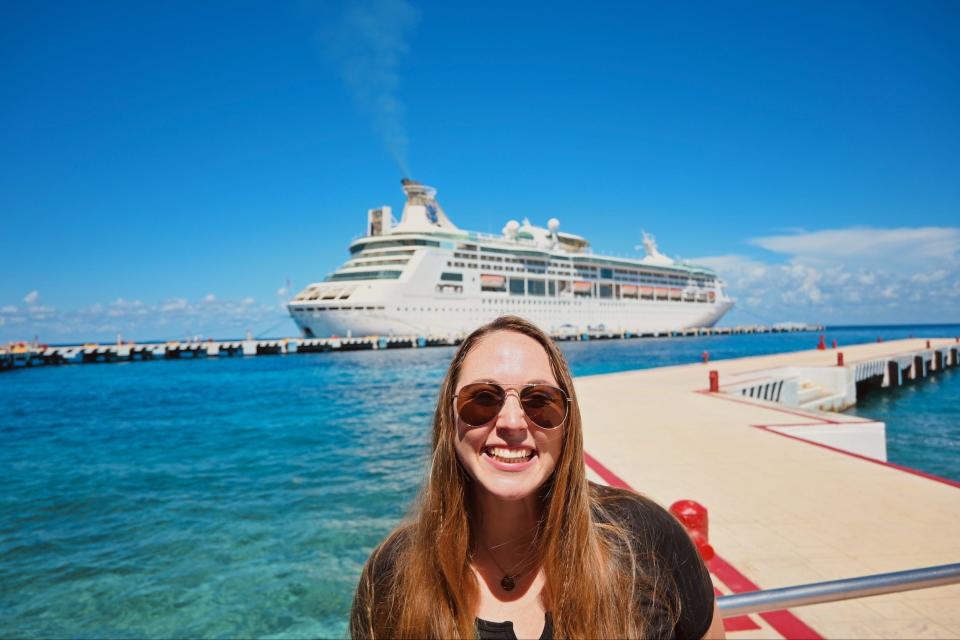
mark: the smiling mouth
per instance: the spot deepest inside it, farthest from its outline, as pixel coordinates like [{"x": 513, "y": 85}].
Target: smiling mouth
[{"x": 509, "y": 456}]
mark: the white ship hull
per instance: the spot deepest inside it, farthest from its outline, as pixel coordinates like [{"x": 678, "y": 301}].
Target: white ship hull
[
  {"x": 424, "y": 277},
  {"x": 446, "y": 318}
]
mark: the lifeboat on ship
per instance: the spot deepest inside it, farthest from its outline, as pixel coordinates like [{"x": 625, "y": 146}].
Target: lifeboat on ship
[{"x": 493, "y": 282}]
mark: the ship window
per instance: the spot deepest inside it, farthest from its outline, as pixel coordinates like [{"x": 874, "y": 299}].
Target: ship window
[
  {"x": 516, "y": 286},
  {"x": 552, "y": 288},
  {"x": 367, "y": 275},
  {"x": 536, "y": 287},
  {"x": 393, "y": 243},
  {"x": 452, "y": 277}
]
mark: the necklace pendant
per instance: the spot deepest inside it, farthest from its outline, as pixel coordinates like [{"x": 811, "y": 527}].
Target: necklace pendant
[{"x": 508, "y": 583}]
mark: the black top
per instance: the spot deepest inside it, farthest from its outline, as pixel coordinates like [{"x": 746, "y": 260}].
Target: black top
[
  {"x": 487, "y": 630},
  {"x": 652, "y": 528},
  {"x": 685, "y": 609}
]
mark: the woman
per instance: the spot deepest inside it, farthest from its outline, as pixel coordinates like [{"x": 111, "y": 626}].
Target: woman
[{"x": 509, "y": 539}]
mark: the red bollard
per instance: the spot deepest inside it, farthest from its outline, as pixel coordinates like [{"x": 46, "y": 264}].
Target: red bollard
[
  {"x": 822, "y": 344},
  {"x": 706, "y": 357},
  {"x": 694, "y": 518},
  {"x": 839, "y": 358},
  {"x": 714, "y": 381},
  {"x": 834, "y": 343},
  {"x": 928, "y": 344},
  {"x": 879, "y": 339}
]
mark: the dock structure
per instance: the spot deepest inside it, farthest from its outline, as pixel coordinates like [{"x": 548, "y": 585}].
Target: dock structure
[
  {"x": 24, "y": 354},
  {"x": 795, "y": 494}
]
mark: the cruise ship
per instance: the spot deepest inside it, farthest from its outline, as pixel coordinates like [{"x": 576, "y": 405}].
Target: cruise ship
[{"x": 425, "y": 276}]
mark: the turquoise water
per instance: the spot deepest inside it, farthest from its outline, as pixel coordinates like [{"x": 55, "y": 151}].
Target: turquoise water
[
  {"x": 923, "y": 422},
  {"x": 240, "y": 497}
]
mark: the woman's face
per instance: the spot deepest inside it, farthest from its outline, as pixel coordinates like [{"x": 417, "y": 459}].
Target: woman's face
[{"x": 491, "y": 453}]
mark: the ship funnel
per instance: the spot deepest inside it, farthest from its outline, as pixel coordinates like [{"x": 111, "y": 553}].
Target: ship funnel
[
  {"x": 417, "y": 192},
  {"x": 422, "y": 212}
]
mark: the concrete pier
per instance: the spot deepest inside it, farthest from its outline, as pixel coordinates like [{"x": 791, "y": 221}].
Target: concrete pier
[
  {"x": 795, "y": 494},
  {"x": 23, "y": 354}
]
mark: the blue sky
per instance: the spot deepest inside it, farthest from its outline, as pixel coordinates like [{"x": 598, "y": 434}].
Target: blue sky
[{"x": 169, "y": 167}]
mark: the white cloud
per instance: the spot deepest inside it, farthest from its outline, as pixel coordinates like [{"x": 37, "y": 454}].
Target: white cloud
[
  {"x": 933, "y": 276},
  {"x": 9, "y": 309},
  {"x": 209, "y": 298},
  {"x": 32, "y": 297},
  {"x": 177, "y": 304},
  {"x": 917, "y": 247},
  {"x": 40, "y": 309},
  {"x": 857, "y": 275}
]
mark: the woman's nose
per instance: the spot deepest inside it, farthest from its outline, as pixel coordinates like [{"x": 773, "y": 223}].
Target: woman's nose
[{"x": 511, "y": 414}]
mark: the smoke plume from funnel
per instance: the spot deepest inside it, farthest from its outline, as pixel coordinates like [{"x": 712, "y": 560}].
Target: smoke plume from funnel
[{"x": 367, "y": 44}]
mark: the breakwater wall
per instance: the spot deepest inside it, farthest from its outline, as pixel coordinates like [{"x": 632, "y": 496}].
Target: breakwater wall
[{"x": 28, "y": 355}]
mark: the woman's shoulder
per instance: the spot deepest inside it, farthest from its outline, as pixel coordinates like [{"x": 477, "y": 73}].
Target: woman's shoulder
[
  {"x": 634, "y": 512},
  {"x": 661, "y": 544}
]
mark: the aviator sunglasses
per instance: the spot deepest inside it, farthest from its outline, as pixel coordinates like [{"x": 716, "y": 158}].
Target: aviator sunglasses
[{"x": 480, "y": 402}]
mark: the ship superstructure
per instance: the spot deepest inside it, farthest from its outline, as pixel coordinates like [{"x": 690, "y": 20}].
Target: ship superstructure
[{"x": 425, "y": 276}]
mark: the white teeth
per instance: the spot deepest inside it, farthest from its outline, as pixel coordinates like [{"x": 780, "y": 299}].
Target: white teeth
[{"x": 510, "y": 454}]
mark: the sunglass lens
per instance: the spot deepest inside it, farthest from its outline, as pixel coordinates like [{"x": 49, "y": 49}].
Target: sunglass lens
[
  {"x": 546, "y": 405},
  {"x": 478, "y": 404}
]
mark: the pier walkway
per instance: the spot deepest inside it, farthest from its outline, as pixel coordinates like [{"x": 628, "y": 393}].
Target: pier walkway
[
  {"x": 795, "y": 494},
  {"x": 22, "y": 354}
]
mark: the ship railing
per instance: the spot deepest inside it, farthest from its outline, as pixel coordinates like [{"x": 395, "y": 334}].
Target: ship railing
[{"x": 837, "y": 590}]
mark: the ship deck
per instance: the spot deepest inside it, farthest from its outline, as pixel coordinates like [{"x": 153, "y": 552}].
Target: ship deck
[{"x": 783, "y": 511}]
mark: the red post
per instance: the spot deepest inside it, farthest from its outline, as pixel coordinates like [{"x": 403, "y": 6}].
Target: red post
[
  {"x": 839, "y": 358},
  {"x": 879, "y": 339},
  {"x": 928, "y": 344},
  {"x": 695, "y": 519},
  {"x": 834, "y": 343},
  {"x": 714, "y": 381},
  {"x": 706, "y": 357}
]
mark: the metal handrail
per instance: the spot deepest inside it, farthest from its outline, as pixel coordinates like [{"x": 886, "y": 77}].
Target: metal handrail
[{"x": 836, "y": 590}]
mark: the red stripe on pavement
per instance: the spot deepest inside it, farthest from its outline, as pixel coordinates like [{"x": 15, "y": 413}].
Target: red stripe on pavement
[
  {"x": 783, "y": 622},
  {"x": 608, "y": 476},
  {"x": 737, "y": 623},
  {"x": 892, "y": 465}
]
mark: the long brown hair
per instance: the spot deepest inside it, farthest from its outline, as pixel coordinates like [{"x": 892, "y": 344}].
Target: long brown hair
[{"x": 419, "y": 583}]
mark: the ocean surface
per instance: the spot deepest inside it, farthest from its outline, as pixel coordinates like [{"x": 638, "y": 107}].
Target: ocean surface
[{"x": 240, "y": 497}]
